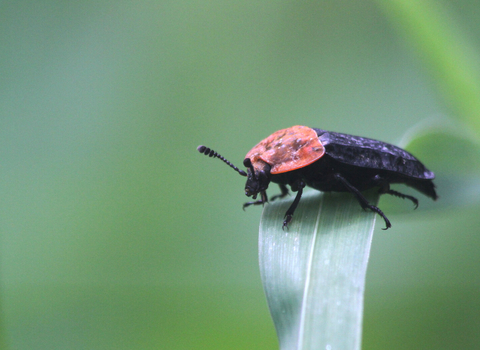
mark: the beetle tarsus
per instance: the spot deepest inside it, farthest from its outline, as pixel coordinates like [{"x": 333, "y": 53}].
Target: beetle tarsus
[
  {"x": 287, "y": 220},
  {"x": 252, "y": 203},
  {"x": 260, "y": 201},
  {"x": 401, "y": 195},
  {"x": 379, "y": 212}
]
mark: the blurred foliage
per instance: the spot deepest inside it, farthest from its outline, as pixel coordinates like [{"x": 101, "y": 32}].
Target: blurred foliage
[
  {"x": 116, "y": 234},
  {"x": 447, "y": 52}
]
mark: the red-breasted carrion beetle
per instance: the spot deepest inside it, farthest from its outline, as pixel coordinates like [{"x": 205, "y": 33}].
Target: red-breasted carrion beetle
[{"x": 329, "y": 161}]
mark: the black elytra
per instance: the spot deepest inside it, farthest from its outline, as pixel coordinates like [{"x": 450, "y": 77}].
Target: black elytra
[{"x": 330, "y": 162}]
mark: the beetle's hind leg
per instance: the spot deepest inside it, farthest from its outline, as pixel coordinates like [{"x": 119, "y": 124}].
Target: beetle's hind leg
[
  {"x": 260, "y": 201},
  {"x": 386, "y": 189},
  {"x": 362, "y": 200},
  {"x": 284, "y": 193}
]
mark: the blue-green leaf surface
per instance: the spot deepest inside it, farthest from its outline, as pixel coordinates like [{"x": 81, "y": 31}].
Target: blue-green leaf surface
[{"x": 314, "y": 271}]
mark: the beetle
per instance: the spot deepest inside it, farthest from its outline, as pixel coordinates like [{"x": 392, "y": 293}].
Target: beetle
[{"x": 328, "y": 161}]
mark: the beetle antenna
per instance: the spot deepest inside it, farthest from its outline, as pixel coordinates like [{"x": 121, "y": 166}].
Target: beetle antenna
[
  {"x": 248, "y": 163},
  {"x": 211, "y": 153}
]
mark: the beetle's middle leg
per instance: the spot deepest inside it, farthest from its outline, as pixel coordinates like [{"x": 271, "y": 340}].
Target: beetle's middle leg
[
  {"x": 362, "y": 200},
  {"x": 298, "y": 186},
  {"x": 284, "y": 190}
]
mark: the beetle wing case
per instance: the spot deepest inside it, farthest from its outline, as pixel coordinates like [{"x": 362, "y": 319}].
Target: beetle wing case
[
  {"x": 367, "y": 153},
  {"x": 288, "y": 149}
]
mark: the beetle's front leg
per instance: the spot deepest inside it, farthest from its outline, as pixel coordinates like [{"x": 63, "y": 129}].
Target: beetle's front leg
[{"x": 260, "y": 201}]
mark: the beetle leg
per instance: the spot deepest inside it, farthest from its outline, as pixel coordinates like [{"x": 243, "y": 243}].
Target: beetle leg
[
  {"x": 362, "y": 200},
  {"x": 289, "y": 214},
  {"x": 284, "y": 190},
  {"x": 261, "y": 201},
  {"x": 400, "y": 195}
]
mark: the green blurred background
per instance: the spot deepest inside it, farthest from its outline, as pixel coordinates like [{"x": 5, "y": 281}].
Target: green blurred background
[{"x": 116, "y": 234}]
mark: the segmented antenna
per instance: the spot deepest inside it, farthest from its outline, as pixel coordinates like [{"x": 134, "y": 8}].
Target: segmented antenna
[{"x": 211, "y": 153}]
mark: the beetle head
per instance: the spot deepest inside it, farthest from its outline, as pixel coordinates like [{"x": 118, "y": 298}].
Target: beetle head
[{"x": 258, "y": 177}]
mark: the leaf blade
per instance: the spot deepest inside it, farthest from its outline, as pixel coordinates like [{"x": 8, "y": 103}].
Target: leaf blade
[{"x": 314, "y": 274}]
